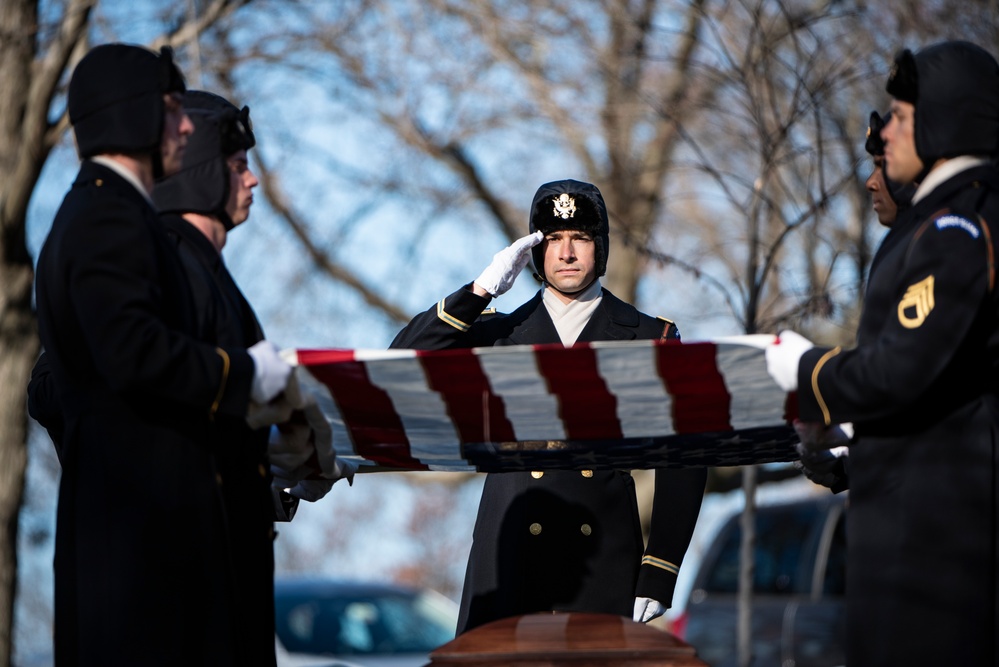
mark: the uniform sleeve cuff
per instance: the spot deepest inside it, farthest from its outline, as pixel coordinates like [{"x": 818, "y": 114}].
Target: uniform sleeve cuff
[
  {"x": 657, "y": 582},
  {"x": 235, "y": 382},
  {"x": 462, "y": 308}
]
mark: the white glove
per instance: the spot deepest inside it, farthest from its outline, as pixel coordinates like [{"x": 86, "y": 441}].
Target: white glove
[
  {"x": 331, "y": 468},
  {"x": 270, "y": 372},
  {"x": 291, "y": 444},
  {"x": 277, "y": 411},
  {"x": 646, "y": 609},
  {"x": 783, "y": 356},
  {"x": 507, "y": 264},
  {"x": 280, "y": 409},
  {"x": 312, "y": 489},
  {"x": 303, "y": 460}
]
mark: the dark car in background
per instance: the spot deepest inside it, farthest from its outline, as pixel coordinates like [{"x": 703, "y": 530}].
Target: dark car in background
[
  {"x": 327, "y": 622},
  {"x": 798, "y": 603}
]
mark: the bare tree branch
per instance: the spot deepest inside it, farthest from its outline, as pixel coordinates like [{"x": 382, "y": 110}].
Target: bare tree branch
[{"x": 272, "y": 190}]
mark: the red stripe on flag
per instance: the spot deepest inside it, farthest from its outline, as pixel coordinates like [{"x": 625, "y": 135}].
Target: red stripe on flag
[
  {"x": 701, "y": 402},
  {"x": 332, "y": 356},
  {"x": 375, "y": 428},
  {"x": 587, "y": 408},
  {"x": 478, "y": 414}
]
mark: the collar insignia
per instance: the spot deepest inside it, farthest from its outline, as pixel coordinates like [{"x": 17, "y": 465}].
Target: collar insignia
[{"x": 565, "y": 206}]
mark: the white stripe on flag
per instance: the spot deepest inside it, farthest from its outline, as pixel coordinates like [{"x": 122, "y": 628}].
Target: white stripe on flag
[
  {"x": 342, "y": 443},
  {"x": 430, "y": 431},
  {"x": 644, "y": 407},
  {"x": 515, "y": 378},
  {"x": 370, "y": 354},
  {"x": 757, "y": 399}
]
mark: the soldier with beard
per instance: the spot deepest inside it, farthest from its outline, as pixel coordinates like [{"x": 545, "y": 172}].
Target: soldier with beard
[
  {"x": 563, "y": 540},
  {"x": 921, "y": 387}
]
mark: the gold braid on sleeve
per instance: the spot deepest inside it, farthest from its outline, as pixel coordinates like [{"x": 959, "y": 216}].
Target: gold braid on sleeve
[{"x": 225, "y": 377}]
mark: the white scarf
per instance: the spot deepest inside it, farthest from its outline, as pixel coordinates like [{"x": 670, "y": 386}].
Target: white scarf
[
  {"x": 570, "y": 318},
  {"x": 125, "y": 173},
  {"x": 951, "y": 167}
]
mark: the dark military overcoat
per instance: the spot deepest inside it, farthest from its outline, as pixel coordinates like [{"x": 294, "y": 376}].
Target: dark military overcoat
[
  {"x": 566, "y": 540},
  {"x": 224, "y": 317},
  {"x": 922, "y": 391},
  {"x": 142, "y": 562}
]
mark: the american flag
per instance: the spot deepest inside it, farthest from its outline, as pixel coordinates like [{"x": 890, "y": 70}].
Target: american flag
[{"x": 602, "y": 405}]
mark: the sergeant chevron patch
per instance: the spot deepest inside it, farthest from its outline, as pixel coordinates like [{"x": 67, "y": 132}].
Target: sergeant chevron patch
[{"x": 916, "y": 303}]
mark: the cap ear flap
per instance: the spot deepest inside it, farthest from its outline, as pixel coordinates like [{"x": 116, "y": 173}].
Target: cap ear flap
[
  {"x": 171, "y": 79},
  {"x": 874, "y": 145},
  {"x": 903, "y": 82},
  {"x": 247, "y": 127},
  {"x": 235, "y": 132},
  {"x": 538, "y": 255},
  {"x": 600, "y": 252}
]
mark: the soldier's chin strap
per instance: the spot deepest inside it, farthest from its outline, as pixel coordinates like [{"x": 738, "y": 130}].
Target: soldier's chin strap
[
  {"x": 157, "y": 156},
  {"x": 226, "y": 221}
]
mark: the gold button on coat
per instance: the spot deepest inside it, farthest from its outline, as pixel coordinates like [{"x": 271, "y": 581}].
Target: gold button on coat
[
  {"x": 586, "y": 473},
  {"x": 537, "y": 474},
  {"x": 535, "y": 529},
  {"x": 218, "y": 478},
  {"x": 262, "y": 470},
  {"x": 585, "y": 529}
]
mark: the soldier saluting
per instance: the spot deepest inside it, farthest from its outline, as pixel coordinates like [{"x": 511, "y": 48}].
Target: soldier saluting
[{"x": 563, "y": 540}]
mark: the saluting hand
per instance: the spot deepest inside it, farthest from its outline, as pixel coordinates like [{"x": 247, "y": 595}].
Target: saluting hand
[{"x": 498, "y": 277}]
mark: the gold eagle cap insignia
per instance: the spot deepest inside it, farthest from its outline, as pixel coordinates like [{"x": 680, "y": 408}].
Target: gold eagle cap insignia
[
  {"x": 916, "y": 304},
  {"x": 565, "y": 206}
]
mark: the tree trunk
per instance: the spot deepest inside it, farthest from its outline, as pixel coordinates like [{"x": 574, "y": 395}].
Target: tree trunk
[
  {"x": 18, "y": 335},
  {"x": 18, "y": 350}
]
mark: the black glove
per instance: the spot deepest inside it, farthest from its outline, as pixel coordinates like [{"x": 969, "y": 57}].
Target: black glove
[{"x": 823, "y": 454}]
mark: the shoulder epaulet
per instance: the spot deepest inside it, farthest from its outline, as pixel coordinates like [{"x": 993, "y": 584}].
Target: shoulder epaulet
[
  {"x": 670, "y": 330},
  {"x": 488, "y": 314}
]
